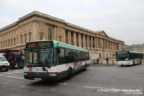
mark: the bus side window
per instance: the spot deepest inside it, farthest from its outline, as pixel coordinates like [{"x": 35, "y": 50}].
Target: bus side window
[
  {"x": 68, "y": 56},
  {"x": 61, "y": 56}
]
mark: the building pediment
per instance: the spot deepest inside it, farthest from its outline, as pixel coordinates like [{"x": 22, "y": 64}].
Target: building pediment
[{"x": 102, "y": 33}]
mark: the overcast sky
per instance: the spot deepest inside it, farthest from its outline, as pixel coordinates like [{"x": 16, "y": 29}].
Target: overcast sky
[{"x": 121, "y": 19}]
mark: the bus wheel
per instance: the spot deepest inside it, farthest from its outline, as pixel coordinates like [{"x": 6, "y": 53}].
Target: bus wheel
[
  {"x": 69, "y": 72},
  {"x": 85, "y": 67},
  {"x": 5, "y": 70},
  {"x": 21, "y": 67}
]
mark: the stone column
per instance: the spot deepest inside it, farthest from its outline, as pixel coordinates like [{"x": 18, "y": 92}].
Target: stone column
[
  {"x": 101, "y": 43},
  {"x": 109, "y": 45},
  {"x": 55, "y": 33},
  {"x": 79, "y": 38},
  {"x": 88, "y": 42},
  {"x": 112, "y": 46},
  {"x": 104, "y": 44},
  {"x": 95, "y": 43},
  {"x": 35, "y": 29},
  {"x": 69, "y": 37},
  {"x": 74, "y": 38},
  {"x": 91, "y": 42},
  {"x": 84, "y": 41}
]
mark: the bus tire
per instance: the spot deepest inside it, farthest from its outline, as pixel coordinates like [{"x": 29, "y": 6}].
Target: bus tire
[
  {"x": 69, "y": 72},
  {"x": 140, "y": 61},
  {"x": 85, "y": 67},
  {"x": 5, "y": 70},
  {"x": 21, "y": 67}
]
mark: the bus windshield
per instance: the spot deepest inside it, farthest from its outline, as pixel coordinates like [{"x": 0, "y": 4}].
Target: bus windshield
[
  {"x": 41, "y": 57},
  {"x": 122, "y": 56}
]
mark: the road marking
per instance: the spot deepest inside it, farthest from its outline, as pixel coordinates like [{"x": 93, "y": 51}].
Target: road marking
[
  {"x": 64, "y": 83},
  {"x": 9, "y": 73},
  {"x": 116, "y": 90},
  {"x": 15, "y": 77}
]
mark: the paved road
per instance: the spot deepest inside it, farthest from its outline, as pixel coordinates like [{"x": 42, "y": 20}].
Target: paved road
[{"x": 96, "y": 81}]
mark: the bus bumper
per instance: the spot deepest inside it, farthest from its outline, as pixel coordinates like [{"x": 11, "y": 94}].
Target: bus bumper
[
  {"x": 40, "y": 75},
  {"x": 4, "y": 68}
]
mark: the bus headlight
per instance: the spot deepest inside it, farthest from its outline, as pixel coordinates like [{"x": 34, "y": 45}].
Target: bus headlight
[
  {"x": 53, "y": 74},
  {"x": 25, "y": 73}
]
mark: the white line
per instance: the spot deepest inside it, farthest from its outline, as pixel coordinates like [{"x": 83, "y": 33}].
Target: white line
[
  {"x": 115, "y": 90},
  {"x": 8, "y": 73},
  {"x": 64, "y": 83}
]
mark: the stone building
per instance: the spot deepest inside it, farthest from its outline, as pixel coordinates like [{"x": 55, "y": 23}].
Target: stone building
[{"x": 40, "y": 26}]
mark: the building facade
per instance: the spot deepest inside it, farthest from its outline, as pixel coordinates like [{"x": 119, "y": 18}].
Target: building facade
[{"x": 39, "y": 26}]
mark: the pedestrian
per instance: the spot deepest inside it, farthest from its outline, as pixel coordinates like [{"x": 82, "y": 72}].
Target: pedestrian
[
  {"x": 97, "y": 60},
  {"x": 107, "y": 59}
]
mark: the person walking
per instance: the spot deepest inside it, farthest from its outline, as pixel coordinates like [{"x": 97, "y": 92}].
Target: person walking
[
  {"x": 97, "y": 60},
  {"x": 107, "y": 60}
]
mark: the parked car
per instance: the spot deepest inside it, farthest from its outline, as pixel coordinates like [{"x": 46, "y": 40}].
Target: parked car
[{"x": 4, "y": 64}]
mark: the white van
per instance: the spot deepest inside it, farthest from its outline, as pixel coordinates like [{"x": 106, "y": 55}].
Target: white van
[{"x": 4, "y": 64}]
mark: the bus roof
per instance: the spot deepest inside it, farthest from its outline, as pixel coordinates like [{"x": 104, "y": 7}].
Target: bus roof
[
  {"x": 71, "y": 47},
  {"x": 131, "y": 52},
  {"x": 136, "y": 52},
  {"x": 61, "y": 44}
]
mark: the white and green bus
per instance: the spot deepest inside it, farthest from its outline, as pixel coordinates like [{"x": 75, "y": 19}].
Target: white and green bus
[
  {"x": 53, "y": 60},
  {"x": 125, "y": 58}
]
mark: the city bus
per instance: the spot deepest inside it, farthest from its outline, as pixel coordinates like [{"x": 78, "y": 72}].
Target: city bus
[
  {"x": 46, "y": 60},
  {"x": 125, "y": 58},
  {"x": 14, "y": 57}
]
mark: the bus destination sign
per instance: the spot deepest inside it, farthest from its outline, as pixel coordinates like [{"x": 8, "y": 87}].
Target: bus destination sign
[{"x": 39, "y": 44}]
